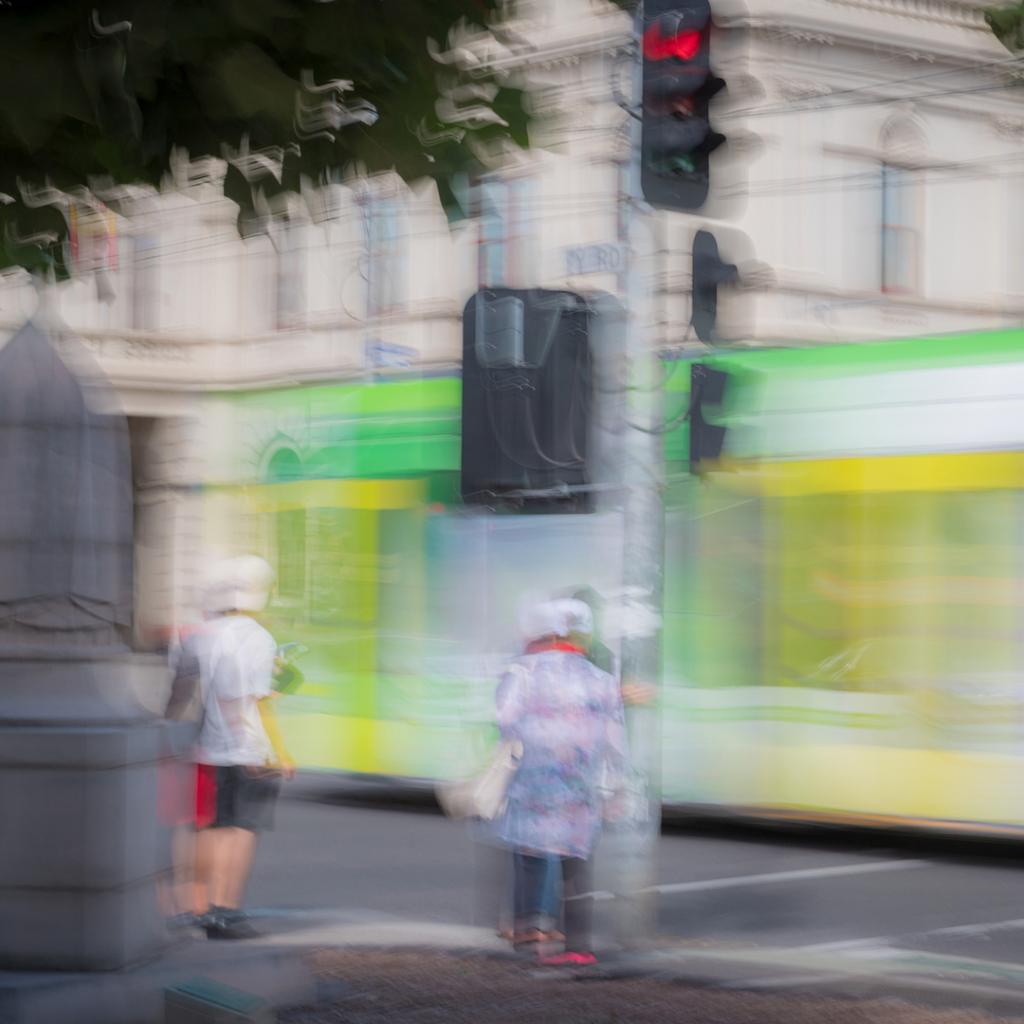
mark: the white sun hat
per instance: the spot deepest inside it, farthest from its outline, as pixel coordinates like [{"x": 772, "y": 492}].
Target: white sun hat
[
  {"x": 238, "y": 584},
  {"x": 578, "y": 615},
  {"x": 560, "y": 617}
]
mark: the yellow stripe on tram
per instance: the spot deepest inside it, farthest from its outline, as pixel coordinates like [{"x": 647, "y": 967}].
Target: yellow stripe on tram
[
  {"x": 962, "y": 471},
  {"x": 368, "y": 495},
  {"x": 893, "y": 782}
]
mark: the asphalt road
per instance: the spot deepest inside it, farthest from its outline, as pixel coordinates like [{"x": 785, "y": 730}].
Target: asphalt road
[{"x": 333, "y": 852}]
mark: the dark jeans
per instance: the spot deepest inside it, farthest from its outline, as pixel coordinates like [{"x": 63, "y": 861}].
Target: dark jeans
[
  {"x": 536, "y": 889},
  {"x": 532, "y": 879}
]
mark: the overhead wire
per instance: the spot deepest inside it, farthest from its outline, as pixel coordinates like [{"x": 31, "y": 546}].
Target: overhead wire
[
  {"x": 959, "y": 171},
  {"x": 684, "y": 414}
]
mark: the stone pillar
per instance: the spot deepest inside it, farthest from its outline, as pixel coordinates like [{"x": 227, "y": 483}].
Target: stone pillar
[{"x": 80, "y": 737}]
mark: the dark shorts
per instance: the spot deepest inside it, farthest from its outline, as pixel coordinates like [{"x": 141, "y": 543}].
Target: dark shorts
[{"x": 240, "y": 798}]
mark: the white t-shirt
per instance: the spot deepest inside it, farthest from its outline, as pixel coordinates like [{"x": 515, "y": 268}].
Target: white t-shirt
[{"x": 236, "y": 657}]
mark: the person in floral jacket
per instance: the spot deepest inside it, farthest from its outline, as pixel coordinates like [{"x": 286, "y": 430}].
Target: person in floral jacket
[{"x": 567, "y": 713}]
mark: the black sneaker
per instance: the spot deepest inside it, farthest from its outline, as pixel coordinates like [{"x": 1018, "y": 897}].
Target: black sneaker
[{"x": 225, "y": 923}]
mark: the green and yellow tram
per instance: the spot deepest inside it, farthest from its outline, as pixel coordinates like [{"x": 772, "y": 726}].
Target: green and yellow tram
[{"x": 842, "y": 636}]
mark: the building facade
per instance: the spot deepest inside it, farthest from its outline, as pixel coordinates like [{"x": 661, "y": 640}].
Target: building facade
[{"x": 870, "y": 188}]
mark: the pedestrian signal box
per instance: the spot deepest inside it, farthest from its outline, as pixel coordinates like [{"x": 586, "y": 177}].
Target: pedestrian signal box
[{"x": 534, "y": 410}]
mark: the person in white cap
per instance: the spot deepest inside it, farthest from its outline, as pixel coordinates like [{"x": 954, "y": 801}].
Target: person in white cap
[
  {"x": 567, "y": 713},
  {"x": 239, "y": 754}
]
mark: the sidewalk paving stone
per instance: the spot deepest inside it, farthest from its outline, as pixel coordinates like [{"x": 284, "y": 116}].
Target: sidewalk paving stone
[
  {"x": 421, "y": 987},
  {"x": 361, "y": 968}
]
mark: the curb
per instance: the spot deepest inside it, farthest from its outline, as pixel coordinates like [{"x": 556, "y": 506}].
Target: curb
[{"x": 281, "y": 977}]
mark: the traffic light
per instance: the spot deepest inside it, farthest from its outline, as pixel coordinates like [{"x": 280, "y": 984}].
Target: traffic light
[
  {"x": 676, "y": 135},
  {"x": 707, "y": 389},
  {"x": 709, "y": 271}
]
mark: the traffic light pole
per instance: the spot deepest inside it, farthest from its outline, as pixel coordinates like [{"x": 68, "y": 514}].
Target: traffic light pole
[{"x": 643, "y": 548}]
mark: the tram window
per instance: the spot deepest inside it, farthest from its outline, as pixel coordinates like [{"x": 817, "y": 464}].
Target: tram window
[
  {"x": 289, "y": 530},
  {"x": 291, "y": 553}
]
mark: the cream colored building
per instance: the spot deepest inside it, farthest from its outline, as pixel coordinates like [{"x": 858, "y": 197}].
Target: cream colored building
[{"x": 873, "y": 176}]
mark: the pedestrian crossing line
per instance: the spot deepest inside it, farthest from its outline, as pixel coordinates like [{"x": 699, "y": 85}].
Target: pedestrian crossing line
[
  {"x": 775, "y": 877},
  {"x": 937, "y": 963},
  {"x": 979, "y": 929},
  {"x": 886, "y": 942}
]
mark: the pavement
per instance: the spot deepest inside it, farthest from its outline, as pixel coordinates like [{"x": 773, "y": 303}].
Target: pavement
[
  {"x": 434, "y": 988},
  {"x": 855, "y": 914},
  {"x": 842, "y": 914}
]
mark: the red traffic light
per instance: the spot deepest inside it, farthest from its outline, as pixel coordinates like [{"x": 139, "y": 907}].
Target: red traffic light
[
  {"x": 683, "y": 44},
  {"x": 676, "y": 136}
]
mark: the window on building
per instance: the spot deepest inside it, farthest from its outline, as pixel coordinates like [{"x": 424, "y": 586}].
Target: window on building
[
  {"x": 384, "y": 219},
  {"x": 506, "y": 233},
  {"x": 900, "y": 229},
  {"x": 291, "y": 293},
  {"x": 145, "y": 283}
]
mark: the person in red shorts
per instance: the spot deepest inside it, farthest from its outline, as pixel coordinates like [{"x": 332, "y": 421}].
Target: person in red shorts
[{"x": 240, "y": 759}]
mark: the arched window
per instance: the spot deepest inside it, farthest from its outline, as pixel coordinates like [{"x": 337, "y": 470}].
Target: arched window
[{"x": 901, "y": 206}]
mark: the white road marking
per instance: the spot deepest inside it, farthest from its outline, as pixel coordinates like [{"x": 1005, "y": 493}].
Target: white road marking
[
  {"x": 979, "y": 929},
  {"x": 881, "y": 941},
  {"x": 805, "y": 874},
  {"x": 885, "y": 942}
]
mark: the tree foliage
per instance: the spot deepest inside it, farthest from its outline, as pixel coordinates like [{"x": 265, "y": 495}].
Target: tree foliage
[
  {"x": 1007, "y": 22},
  {"x": 109, "y": 89}
]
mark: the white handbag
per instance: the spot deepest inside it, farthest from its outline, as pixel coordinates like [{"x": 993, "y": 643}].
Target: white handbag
[{"x": 485, "y": 795}]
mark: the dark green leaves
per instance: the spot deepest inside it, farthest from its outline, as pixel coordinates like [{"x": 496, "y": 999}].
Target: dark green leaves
[
  {"x": 83, "y": 96},
  {"x": 1008, "y": 25}
]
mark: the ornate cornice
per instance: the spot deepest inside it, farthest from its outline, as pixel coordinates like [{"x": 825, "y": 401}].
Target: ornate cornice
[
  {"x": 107, "y": 346},
  {"x": 189, "y": 363},
  {"x": 958, "y": 13},
  {"x": 928, "y": 32}
]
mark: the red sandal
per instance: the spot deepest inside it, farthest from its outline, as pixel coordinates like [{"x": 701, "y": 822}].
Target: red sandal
[{"x": 569, "y": 960}]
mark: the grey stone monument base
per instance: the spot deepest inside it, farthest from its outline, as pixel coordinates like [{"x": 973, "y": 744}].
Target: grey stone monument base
[
  {"x": 81, "y": 840},
  {"x": 282, "y": 976}
]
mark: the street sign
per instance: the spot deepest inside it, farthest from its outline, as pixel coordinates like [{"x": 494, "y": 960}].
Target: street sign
[
  {"x": 384, "y": 354},
  {"x": 603, "y": 258}
]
